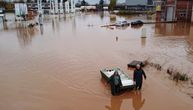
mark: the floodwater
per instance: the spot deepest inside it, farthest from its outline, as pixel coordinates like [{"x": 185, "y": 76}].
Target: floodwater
[{"x": 56, "y": 67}]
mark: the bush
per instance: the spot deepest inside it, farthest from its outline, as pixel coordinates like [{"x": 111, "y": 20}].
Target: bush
[{"x": 181, "y": 77}]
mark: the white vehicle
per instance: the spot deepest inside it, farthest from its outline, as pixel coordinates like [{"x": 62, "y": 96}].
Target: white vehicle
[
  {"x": 2, "y": 10},
  {"x": 127, "y": 83},
  {"x": 122, "y": 23}
]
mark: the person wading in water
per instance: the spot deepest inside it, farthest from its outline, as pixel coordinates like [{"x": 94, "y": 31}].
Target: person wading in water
[
  {"x": 138, "y": 76},
  {"x": 115, "y": 82}
]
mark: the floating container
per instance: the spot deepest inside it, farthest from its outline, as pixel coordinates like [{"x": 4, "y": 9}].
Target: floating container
[{"x": 127, "y": 82}]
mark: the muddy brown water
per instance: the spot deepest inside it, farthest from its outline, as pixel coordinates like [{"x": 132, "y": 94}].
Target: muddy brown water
[{"x": 57, "y": 67}]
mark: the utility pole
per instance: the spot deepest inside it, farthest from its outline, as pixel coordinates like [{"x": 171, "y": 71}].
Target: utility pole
[
  {"x": 67, "y": 7},
  {"x": 52, "y": 9},
  {"x": 56, "y": 6},
  {"x": 50, "y": 6},
  {"x": 39, "y": 2},
  {"x": 61, "y": 11},
  {"x": 72, "y": 6}
]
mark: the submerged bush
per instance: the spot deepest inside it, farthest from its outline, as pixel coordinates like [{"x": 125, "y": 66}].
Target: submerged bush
[
  {"x": 157, "y": 66},
  {"x": 174, "y": 73},
  {"x": 145, "y": 63},
  {"x": 181, "y": 77}
]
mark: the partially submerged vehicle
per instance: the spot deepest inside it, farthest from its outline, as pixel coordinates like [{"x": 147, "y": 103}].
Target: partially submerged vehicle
[
  {"x": 2, "y": 10},
  {"x": 137, "y": 23},
  {"x": 127, "y": 82},
  {"x": 134, "y": 63},
  {"x": 122, "y": 23}
]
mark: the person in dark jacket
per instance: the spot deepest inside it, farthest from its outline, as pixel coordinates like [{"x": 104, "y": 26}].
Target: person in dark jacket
[
  {"x": 115, "y": 82},
  {"x": 138, "y": 76}
]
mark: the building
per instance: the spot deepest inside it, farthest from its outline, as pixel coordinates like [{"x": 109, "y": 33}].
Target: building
[
  {"x": 174, "y": 10},
  {"x": 53, "y": 6},
  {"x": 184, "y": 10},
  {"x": 136, "y": 2},
  {"x": 136, "y": 5}
]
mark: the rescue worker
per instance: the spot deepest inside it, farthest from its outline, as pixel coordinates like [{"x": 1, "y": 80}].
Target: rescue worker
[
  {"x": 115, "y": 82},
  {"x": 138, "y": 76}
]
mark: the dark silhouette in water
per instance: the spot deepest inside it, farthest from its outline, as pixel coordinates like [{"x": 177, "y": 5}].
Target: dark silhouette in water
[
  {"x": 115, "y": 103},
  {"x": 117, "y": 38},
  {"x": 115, "y": 82},
  {"x": 138, "y": 102},
  {"x": 41, "y": 29},
  {"x": 138, "y": 76},
  {"x": 136, "y": 97}
]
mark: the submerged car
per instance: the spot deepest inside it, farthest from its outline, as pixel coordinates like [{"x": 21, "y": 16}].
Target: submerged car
[
  {"x": 122, "y": 23},
  {"x": 134, "y": 63},
  {"x": 2, "y": 10},
  {"x": 127, "y": 82},
  {"x": 136, "y": 23}
]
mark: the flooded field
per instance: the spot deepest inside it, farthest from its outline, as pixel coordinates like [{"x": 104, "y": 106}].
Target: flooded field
[{"x": 56, "y": 67}]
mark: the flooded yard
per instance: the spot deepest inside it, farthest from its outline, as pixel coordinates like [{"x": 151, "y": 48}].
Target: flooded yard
[{"x": 57, "y": 66}]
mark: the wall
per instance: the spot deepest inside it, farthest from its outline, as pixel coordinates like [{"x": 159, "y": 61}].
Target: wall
[{"x": 184, "y": 10}]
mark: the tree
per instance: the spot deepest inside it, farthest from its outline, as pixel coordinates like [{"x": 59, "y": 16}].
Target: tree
[
  {"x": 84, "y": 3},
  {"x": 112, "y": 4},
  {"x": 101, "y": 4}
]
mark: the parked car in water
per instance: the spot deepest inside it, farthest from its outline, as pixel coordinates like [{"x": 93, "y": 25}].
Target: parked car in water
[
  {"x": 138, "y": 22},
  {"x": 2, "y": 10},
  {"x": 122, "y": 23}
]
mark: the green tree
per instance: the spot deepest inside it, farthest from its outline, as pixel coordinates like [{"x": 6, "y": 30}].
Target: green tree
[
  {"x": 112, "y": 4},
  {"x": 101, "y": 4},
  {"x": 84, "y": 3}
]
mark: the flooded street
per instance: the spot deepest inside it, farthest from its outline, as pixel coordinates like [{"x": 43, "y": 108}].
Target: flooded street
[{"x": 57, "y": 66}]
